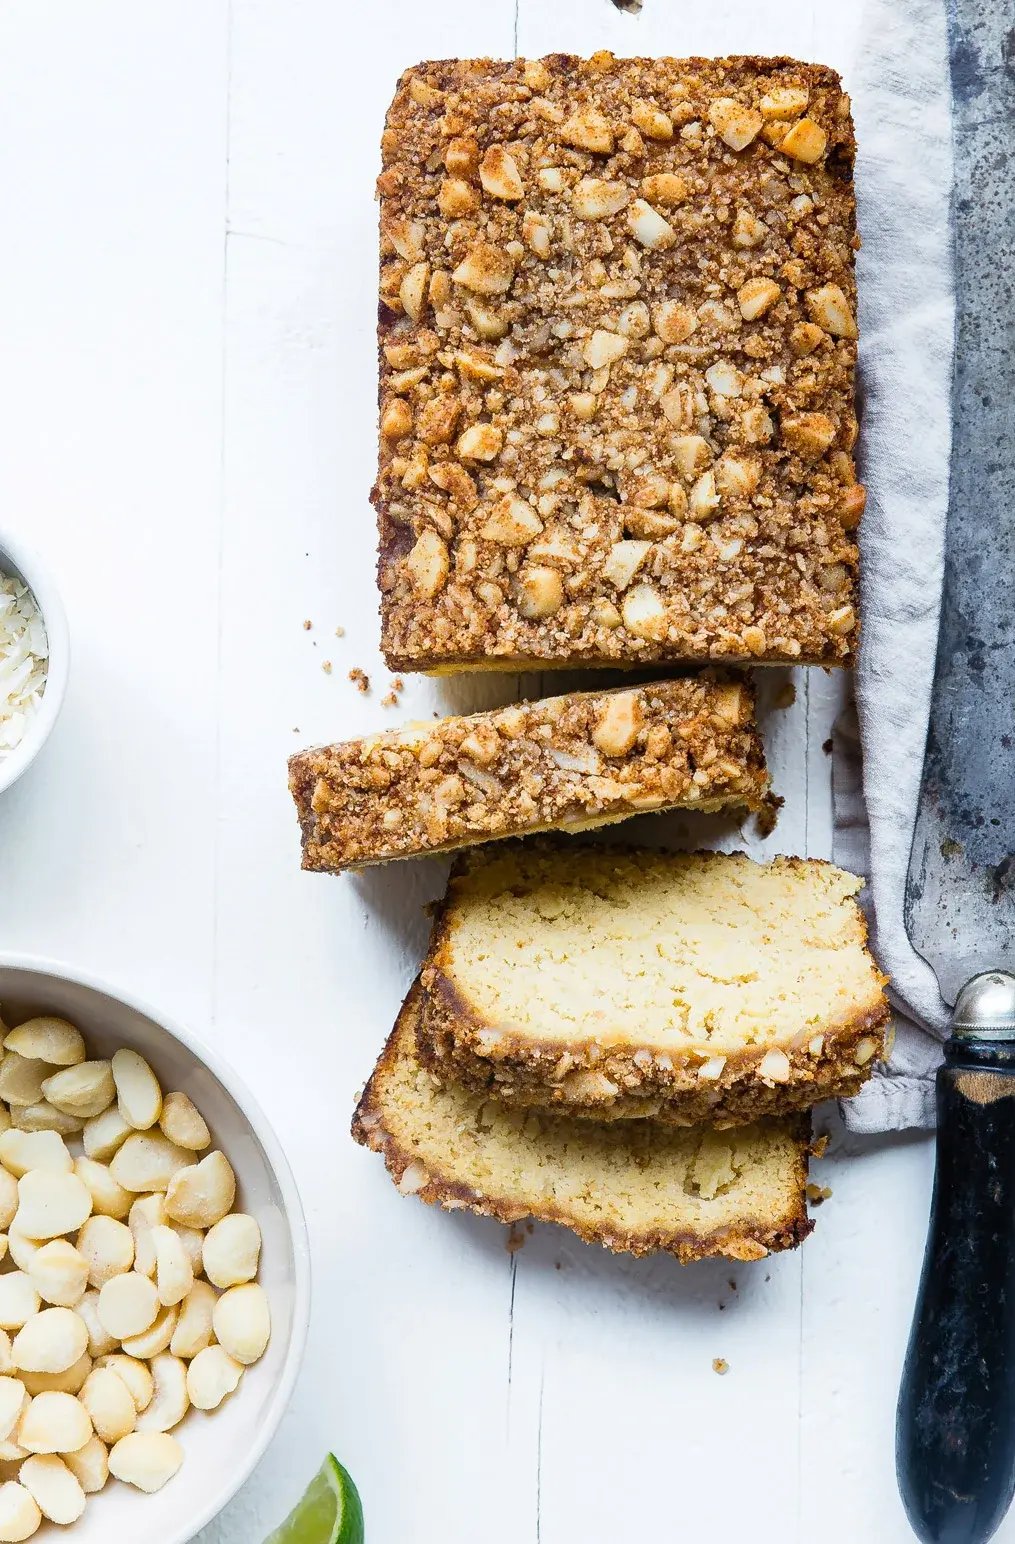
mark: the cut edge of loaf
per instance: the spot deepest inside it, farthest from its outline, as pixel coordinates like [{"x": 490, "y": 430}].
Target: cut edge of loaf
[
  {"x": 743, "y": 1238},
  {"x": 582, "y": 1077}
]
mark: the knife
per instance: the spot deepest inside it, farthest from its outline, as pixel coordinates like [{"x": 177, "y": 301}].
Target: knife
[{"x": 955, "y": 1432}]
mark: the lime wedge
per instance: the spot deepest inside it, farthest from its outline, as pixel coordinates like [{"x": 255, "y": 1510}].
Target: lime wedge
[{"x": 330, "y": 1511}]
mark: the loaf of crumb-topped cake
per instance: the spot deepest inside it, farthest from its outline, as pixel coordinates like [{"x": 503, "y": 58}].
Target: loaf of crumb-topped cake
[
  {"x": 617, "y": 350},
  {"x": 563, "y": 762},
  {"x": 618, "y": 982},
  {"x": 631, "y": 1185}
]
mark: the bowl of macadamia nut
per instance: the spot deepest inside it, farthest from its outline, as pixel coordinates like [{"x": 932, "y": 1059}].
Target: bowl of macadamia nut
[{"x": 154, "y": 1267}]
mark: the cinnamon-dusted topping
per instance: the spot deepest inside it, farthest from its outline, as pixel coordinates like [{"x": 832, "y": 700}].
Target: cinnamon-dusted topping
[
  {"x": 617, "y": 306},
  {"x": 567, "y": 760}
]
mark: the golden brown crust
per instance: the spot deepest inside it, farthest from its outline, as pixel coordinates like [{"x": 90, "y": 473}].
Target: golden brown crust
[
  {"x": 567, "y": 761},
  {"x": 453, "y": 1043},
  {"x": 617, "y": 349},
  {"x": 747, "y": 1239},
  {"x": 627, "y": 1081}
]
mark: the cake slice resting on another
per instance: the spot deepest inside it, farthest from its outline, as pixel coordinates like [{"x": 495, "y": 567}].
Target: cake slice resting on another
[
  {"x": 633, "y": 1186},
  {"x": 621, "y": 982}
]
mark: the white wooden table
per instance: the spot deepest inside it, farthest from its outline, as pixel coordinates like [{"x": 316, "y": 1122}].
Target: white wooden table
[{"x": 187, "y": 292}]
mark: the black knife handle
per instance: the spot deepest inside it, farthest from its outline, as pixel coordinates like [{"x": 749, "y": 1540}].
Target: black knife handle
[{"x": 955, "y": 1434}]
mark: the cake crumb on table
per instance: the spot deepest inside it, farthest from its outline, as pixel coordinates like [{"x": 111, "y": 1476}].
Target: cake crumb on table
[
  {"x": 391, "y": 699},
  {"x": 720, "y": 1365},
  {"x": 360, "y": 679},
  {"x": 326, "y": 666},
  {"x": 339, "y": 632},
  {"x": 816, "y": 1194},
  {"x": 307, "y": 624},
  {"x": 767, "y": 817},
  {"x": 786, "y": 695}
]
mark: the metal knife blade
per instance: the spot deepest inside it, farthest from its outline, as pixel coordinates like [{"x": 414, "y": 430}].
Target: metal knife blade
[{"x": 960, "y": 890}]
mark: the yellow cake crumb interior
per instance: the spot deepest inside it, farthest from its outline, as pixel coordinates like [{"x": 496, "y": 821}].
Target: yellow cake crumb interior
[
  {"x": 623, "y": 1181},
  {"x": 672, "y": 950}
]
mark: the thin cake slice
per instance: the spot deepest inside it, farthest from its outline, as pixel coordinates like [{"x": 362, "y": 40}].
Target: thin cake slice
[
  {"x": 566, "y": 762},
  {"x": 618, "y": 982},
  {"x": 617, "y": 351},
  {"x": 633, "y": 1186}
]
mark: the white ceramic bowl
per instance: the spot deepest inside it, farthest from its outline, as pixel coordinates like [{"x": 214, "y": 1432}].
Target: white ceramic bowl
[
  {"x": 222, "y": 1446},
  {"x": 24, "y": 564}
]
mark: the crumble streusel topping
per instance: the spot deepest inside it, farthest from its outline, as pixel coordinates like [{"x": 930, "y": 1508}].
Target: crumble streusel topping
[
  {"x": 583, "y": 757},
  {"x": 617, "y": 354}
]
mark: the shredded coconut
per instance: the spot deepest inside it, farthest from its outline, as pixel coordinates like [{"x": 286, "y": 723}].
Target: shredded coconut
[{"x": 24, "y": 658}]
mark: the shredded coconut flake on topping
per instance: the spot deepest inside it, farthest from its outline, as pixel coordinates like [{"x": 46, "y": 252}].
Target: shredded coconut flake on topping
[{"x": 24, "y": 657}]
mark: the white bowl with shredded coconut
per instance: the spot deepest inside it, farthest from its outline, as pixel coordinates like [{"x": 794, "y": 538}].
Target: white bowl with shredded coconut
[{"x": 34, "y": 657}]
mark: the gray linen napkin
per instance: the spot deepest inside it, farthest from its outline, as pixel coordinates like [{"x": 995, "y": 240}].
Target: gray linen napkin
[{"x": 902, "y": 105}]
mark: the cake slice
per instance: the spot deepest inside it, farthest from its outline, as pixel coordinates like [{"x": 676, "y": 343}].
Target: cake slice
[
  {"x": 633, "y": 1186},
  {"x": 565, "y": 762},
  {"x": 619, "y": 982},
  {"x": 617, "y": 352}
]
